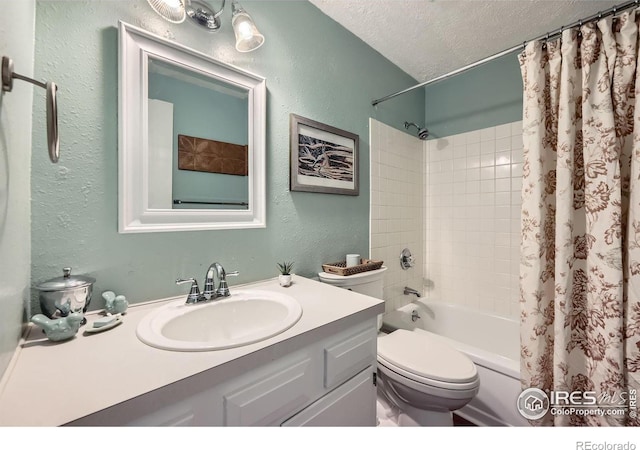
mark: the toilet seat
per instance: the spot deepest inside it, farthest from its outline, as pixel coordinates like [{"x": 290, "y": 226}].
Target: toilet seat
[{"x": 426, "y": 360}]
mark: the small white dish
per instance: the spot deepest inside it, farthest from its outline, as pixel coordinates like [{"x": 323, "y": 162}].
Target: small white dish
[{"x": 103, "y": 324}]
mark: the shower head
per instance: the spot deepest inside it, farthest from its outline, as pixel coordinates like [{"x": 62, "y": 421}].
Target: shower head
[{"x": 423, "y": 133}]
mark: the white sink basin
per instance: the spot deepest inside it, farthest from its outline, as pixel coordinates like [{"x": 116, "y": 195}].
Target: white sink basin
[{"x": 240, "y": 319}]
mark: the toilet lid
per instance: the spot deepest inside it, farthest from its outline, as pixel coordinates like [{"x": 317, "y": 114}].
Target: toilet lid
[{"x": 424, "y": 355}]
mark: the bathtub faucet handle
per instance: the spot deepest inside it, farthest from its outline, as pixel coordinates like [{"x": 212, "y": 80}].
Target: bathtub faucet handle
[{"x": 407, "y": 260}]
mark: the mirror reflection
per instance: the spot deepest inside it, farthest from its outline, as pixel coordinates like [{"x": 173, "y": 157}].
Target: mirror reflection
[{"x": 198, "y": 134}]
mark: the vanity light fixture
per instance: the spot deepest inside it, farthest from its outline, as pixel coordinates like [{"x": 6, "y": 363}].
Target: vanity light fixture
[
  {"x": 170, "y": 10},
  {"x": 200, "y": 13},
  {"x": 203, "y": 15}
]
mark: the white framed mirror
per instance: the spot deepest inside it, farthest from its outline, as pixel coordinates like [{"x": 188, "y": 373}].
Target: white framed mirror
[{"x": 191, "y": 139}]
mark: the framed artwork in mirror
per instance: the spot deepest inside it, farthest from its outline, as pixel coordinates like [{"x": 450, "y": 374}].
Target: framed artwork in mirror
[{"x": 323, "y": 158}]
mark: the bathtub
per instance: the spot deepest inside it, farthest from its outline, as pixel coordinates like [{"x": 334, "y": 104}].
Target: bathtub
[{"x": 492, "y": 342}]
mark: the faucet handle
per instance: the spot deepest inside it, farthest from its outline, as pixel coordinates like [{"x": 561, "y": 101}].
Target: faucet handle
[
  {"x": 406, "y": 259},
  {"x": 194, "y": 293},
  {"x": 223, "y": 287}
]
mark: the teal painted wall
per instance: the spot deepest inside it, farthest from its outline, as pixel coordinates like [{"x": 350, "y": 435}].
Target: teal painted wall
[
  {"x": 207, "y": 114},
  {"x": 17, "y": 27},
  {"x": 485, "y": 96},
  {"x": 314, "y": 68}
]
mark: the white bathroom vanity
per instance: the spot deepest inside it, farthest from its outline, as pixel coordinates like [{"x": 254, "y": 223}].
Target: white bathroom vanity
[{"x": 321, "y": 371}]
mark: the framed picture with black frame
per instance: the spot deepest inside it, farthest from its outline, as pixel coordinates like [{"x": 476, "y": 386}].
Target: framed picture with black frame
[{"x": 323, "y": 159}]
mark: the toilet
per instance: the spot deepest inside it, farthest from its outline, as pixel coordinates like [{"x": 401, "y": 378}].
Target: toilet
[{"x": 421, "y": 378}]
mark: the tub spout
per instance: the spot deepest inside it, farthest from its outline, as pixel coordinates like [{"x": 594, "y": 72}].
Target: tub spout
[{"x": 411, "y": 291}]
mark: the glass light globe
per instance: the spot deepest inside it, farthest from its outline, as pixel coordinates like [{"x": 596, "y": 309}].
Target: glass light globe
[
  {"x": 248, "y": 37},
  {"x": 170, "y": 10}
]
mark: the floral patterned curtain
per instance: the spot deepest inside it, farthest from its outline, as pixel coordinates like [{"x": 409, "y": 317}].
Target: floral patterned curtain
[{"x": 580, "y": 247}]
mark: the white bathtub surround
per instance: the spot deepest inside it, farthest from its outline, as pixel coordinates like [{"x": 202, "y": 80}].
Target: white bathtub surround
[
  {"x": 397, "y": 208},
  {"x": 468, "y": 252},
  {"x": 490, "y": 341},
  {"x": 472, "y": 216}
]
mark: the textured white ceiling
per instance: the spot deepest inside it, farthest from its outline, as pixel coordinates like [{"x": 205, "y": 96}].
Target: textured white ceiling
[{"x": 428, "y": 38}]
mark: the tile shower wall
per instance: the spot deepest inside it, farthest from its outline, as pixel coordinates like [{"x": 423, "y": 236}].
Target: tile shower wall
[
  {"x": 397, "y": 208},
  {"x": 472, "y": 219}
]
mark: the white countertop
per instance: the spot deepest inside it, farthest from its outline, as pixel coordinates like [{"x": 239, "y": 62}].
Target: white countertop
[{"x": 50, "y": 384}]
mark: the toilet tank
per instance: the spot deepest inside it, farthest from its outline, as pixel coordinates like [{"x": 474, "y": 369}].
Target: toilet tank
[{"x": 368, "y": 283}]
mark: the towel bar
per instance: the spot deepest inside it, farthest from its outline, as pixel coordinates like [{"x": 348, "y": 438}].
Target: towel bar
[{"x": 53, "y": 141}]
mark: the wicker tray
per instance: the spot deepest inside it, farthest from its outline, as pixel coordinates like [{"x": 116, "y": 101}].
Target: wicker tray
[{"x": 340, "y": 268}]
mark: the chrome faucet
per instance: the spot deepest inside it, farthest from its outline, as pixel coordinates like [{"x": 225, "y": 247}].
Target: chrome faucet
[
  {"x": 209, "y": 292},
  {"x": 411, "y": 291}
]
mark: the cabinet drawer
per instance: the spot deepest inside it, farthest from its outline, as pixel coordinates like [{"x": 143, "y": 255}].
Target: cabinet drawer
[
  {"x": 348, "y": 357},
  {"x": 267, "y": 401}
]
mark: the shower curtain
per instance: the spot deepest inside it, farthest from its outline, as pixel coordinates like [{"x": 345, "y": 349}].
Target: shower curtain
[{"x": 580, "y": 245}]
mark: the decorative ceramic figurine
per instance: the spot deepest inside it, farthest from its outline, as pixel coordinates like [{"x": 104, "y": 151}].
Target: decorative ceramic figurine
[
  {"x": 59, "y": 329},
  {"x": 114, "y": 304}
]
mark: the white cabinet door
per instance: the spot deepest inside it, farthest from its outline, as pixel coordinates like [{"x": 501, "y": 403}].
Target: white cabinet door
[
  {"x": 264, "y": 401},
  {"x": 351, "y": 404},
  {"x": 349, "y": 356}
]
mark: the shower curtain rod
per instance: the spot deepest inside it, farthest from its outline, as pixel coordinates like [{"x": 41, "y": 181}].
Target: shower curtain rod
[{"x": 547, "y": 36}]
